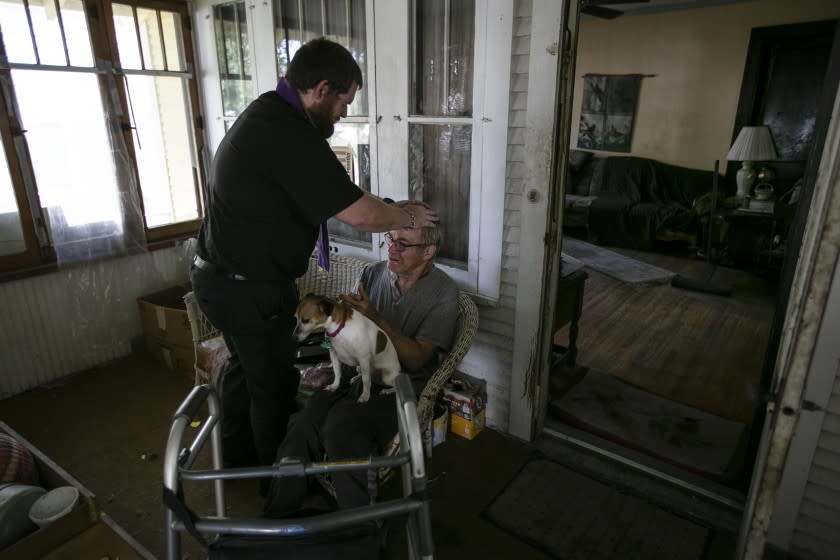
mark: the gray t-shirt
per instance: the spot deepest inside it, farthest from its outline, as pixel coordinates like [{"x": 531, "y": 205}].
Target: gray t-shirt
[{"x": 427, "y": 312}]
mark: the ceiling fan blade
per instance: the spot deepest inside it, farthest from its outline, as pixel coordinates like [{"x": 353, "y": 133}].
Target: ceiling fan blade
[{"x": 598, "y": 11}]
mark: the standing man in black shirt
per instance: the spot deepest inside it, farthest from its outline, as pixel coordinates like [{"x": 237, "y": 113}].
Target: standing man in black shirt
[{"x": 274, "y": 183}]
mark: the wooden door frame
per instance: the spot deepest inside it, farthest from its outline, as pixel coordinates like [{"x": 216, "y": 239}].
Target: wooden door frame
[
  {"x": 805, "y": 288},
  {"x": 747, "y": 114}
]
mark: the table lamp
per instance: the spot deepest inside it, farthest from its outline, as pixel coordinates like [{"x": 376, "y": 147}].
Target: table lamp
[{"x": 754, "y": 143}]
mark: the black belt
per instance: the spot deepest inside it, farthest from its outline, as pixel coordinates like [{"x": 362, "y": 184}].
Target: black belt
[{"x": 207, "y": 266}]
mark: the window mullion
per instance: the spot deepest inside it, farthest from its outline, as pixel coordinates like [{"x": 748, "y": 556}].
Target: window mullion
[
  {"x": 162, "y": 41},
  {"x": 31, "y": 31},
  {"x": 60, "y": 20},
  {"x": 114, "y": 101},
  {"x": 29, "y": 205},
  {"x": 137, "y": 32}
]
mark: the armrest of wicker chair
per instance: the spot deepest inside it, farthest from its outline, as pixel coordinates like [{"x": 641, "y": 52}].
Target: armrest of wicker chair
[
  {"x": 464, "y": 334},
  {"x": 202, "y": 329}
]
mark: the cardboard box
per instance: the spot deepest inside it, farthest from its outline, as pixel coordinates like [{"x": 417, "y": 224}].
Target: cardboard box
[
  {"x": 166, "y": 328},
  {"x": 164, "y": 316},
  {"x": 46, "y": 542},
  {"x": 466, "y": 397},
  {"x": 440, "y": 425},
  {"x": 467, "y": 428}
]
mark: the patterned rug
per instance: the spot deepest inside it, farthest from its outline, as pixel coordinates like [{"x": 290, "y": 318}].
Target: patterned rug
[
  {"x": 574, "y": 517},
  {"x": 682, "y": 435},
  {"x": 618, "y": 266}
]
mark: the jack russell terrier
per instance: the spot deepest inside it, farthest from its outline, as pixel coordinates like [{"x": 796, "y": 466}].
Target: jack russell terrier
[{"x": 354, "y": 340}]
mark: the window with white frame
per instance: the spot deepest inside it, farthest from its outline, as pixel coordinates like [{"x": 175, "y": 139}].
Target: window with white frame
[
  {"x": 233, "y": 52},
  {"x": 342, "y": 21},
  {"x": 98, "y": 115},
  {"x": 430, "y": 122},
  {"x": 443, "y": 131}
]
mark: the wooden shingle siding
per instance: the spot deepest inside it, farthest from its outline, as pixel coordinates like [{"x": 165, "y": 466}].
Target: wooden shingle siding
[
  {"x": 491, "y": 355},
  {"x": 817, "y": 530}
]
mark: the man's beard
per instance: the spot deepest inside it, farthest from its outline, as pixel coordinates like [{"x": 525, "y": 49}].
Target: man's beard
[{"x": 322, "y": 120}]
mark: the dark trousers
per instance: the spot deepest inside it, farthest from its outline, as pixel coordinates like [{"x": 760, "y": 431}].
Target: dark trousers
[
  {"x": 333, "y": 423},
  {"x": 260, "y": 382}
]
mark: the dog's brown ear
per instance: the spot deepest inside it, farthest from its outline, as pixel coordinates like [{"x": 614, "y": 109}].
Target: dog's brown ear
[
  {"x": 326, "y": 306},
  {"x": 310, "y": 294}
]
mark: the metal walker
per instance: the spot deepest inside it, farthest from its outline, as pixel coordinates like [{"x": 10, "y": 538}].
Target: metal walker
[{"x": 178, "y": 462}]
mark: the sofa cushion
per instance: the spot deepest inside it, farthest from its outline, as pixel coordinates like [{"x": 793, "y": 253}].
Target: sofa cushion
[{"x": 577, "y": 159}]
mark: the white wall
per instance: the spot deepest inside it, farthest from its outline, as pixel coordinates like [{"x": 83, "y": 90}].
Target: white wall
[{"x": 686, "y": 110}]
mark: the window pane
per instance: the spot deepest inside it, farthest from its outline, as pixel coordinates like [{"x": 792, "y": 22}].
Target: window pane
[
  {"x": 11, "y": 232},
  {"x": 442, "y": 58},
  {"x": 351, "y": 143},
  {"x": 164, "y": 149},
  {"x": 16, "y": 35},
  {"x": 336, "y": 21},
  {"x": 47, "y": 25},
  {"x": 173, "y": 41},
  {"x": 126, "y": 37},
  {"x": 232, "y": 47},
  {"x": 150, "y": 39},
  {"x": 70, "y": 151},
  {"x": 76, "y": 33},
  {"x": 439, "y": 174},
  {"x": 287, "y": 35},
  {"x": 358, "y": 48}
]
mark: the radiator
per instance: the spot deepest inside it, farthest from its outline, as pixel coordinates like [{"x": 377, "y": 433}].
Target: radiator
[{"x": 57, "y": 324}]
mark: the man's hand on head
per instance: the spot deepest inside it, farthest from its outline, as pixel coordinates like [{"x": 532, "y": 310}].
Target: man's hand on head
[{"x": 423, "y": 214}]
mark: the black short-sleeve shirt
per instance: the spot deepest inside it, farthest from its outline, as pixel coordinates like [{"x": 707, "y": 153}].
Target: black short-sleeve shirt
[{"x": 274, "y": 180}]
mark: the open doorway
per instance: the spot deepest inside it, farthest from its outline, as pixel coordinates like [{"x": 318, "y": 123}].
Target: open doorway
[{"x": 673, "y": 374}]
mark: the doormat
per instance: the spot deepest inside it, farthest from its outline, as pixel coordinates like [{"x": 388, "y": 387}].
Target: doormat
[
  {"x": 616, "y": 265},
  {"x": 616, "y": 410},
  {"x": 571, "y": 516}
]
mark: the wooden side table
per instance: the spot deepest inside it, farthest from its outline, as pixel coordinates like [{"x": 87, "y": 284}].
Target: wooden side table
[
  {"x": 742, "y": 235},
  {"x": 569, "y": 310}
]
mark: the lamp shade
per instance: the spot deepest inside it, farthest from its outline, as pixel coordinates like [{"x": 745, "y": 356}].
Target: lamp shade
[{"x": 754, "y": 143}]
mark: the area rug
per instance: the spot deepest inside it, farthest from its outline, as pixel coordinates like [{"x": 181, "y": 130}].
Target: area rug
[
  {"x": 616, "y": 265},
  {"x": 682, "y": 435},
  {"x": 571, "y": 516}
]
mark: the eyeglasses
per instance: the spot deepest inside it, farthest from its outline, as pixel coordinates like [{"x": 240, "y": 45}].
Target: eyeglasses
[{"x": 400, "y": 245}]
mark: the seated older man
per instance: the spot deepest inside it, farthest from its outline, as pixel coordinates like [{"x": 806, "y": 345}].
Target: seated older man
[{"x": 416, "y": 305}]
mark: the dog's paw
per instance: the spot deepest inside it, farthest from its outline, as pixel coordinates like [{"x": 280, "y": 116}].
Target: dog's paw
[
  {"x": 331, "y": 387},
  {"x": 387, "y": 391},
  {"x": 364, "y": 397}
]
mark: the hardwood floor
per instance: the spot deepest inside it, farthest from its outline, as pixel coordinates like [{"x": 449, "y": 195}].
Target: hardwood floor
[{"x": 698, "y": 349}]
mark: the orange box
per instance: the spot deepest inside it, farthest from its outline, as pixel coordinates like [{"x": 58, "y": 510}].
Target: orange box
[{"x": 466, "y": 428}]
